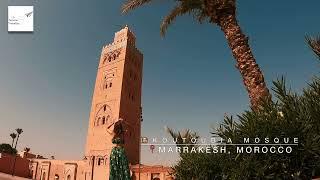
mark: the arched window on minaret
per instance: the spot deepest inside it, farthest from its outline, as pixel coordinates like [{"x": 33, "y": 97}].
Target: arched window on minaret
[
  {"x": 103, "y": 120},
  {"x": 98, "y": 122}
]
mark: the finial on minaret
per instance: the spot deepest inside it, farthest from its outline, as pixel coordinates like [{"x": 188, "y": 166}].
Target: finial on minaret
[{"x": 122, "y": 26}]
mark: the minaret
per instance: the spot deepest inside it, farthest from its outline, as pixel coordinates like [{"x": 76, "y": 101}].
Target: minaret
[{"x": 117, "y": 94}]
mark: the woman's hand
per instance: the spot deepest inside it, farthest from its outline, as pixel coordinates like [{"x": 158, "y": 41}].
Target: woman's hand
[{"x": 109, "y": 129}]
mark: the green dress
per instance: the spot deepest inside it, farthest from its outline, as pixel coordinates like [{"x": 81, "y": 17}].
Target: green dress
[{"x": 119, "y": 166}]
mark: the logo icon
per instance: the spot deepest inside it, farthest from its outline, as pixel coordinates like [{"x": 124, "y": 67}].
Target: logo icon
[
  {"x": 29, "y": 14},
  {"x": 20, "y": 18}
]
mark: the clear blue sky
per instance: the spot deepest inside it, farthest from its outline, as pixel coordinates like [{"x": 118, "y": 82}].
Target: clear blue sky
[{"x": 190, "y": 79}]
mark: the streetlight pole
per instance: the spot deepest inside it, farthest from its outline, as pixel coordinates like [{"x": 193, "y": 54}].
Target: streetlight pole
[
  {"x": 139, "y": 154},
  {"x": 141, "y": 119}
]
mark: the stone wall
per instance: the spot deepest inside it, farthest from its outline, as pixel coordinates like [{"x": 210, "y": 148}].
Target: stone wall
[
  {"x": 151, "y": 172},
  {"x": 21, "y": 168},
  {"x": 58, "y": 169},
  {"x": 82, "y": 170}
]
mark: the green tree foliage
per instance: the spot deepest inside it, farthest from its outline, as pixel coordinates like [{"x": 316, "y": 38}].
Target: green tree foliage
[
  {"x": 193, "y": 165},
  {"x": 6, "y": 148},
  {"x": 183, "y": 138},
  {"x": 199, "y": 166},
  {"x": 290, "y": 115}
]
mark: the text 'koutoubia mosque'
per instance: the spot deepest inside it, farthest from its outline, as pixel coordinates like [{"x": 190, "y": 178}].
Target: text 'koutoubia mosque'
[{"x": 117, "y": 95}]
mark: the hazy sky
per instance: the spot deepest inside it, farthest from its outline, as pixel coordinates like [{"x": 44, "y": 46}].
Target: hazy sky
[{"x": 190, "y": 79}]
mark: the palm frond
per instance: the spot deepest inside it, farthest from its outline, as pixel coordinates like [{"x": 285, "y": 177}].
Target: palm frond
[
  {"x": 167, "y": 21},
  {"x": 13, "y": 135},
  {"x": 19, "y": 131},
  {"x": 172, "y": 133},
  {"x": 314, "y": 44},
  {"x": 194, "y": 7},
  {"x": 133, "y": 4}
]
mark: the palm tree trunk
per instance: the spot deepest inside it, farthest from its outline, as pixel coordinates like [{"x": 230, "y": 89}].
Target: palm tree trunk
[
  {"x": 17, "y": 141},
  {"x": 15, "y": 157},
  {"x": 251, "y": 74}
]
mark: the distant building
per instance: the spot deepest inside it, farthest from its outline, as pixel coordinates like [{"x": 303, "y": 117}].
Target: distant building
[
  {"x": 25, "y": 154},
  {"x": 117, "y": 94}
]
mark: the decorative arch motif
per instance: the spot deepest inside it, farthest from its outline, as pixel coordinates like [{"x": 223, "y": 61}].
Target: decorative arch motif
[
  {"x": 68, "y": 175},
  {"x": 70, "y": 171},
  {"x": 103, "y": 116},
  {"x": 111, "y": 56},
  {"x": 106, "y": 162},
  {"x": 107, "y": 78}
]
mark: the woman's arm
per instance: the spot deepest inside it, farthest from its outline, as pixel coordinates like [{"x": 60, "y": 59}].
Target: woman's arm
[{"x": 110, "y": 128}]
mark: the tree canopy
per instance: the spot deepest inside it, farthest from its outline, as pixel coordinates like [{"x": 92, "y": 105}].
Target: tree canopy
[{"x": 6, "y": 148}]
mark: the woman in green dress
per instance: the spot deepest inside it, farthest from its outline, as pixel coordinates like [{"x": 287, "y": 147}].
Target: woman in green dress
[{"x": 119, "y": 166}]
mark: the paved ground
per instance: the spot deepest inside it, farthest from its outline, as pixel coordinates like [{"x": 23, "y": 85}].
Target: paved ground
[{"x": 9, "y": 177}]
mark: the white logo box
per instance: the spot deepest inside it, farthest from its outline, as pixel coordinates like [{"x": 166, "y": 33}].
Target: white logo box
[{"x": 20, "y": 18}]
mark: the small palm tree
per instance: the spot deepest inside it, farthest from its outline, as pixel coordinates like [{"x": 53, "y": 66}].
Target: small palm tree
[
  {"x": 19, "y": 131},
  {"x": 314, "y": 43},
  {"x": 13, "y": 136},
  {"x": 223, "y": 14},
  {"x": 183, "y": 138}
]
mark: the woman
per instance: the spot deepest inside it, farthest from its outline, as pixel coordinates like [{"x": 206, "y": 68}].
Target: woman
[{"x": 119, "y": 166}]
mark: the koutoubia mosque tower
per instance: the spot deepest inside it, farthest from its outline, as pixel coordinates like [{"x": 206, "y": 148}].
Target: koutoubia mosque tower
[{"x": 117, "y": 95}]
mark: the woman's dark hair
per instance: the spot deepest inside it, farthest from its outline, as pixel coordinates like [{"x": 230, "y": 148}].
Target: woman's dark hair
[{"x": 118, "y": 129}]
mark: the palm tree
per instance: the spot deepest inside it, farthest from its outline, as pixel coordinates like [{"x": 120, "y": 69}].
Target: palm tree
[
  {"x": 223, "y": 14},
  {"x": 183, "y": 138},
  {"x": 13, "y": 136},
  {"x": 314, "y": 43},
  {"x": 19, "y": 131}
]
